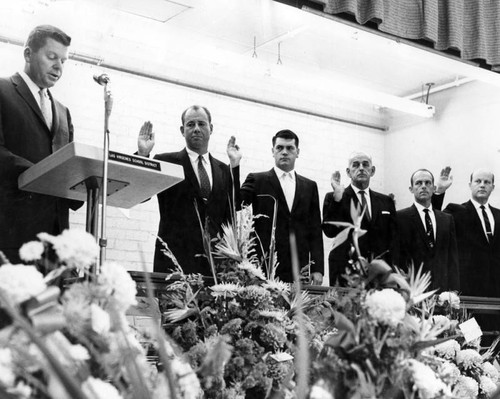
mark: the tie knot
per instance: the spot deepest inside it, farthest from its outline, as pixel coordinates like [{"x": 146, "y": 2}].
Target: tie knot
[
  {"x": 426, "y": 210},
  {"x": 482, "y": 207},
  {"x": 362, "y": 192}
]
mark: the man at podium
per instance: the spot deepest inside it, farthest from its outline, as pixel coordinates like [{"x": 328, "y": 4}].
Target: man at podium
[
  {"x": 33, "y": 125},
  {"x": 208, "y": 187}
]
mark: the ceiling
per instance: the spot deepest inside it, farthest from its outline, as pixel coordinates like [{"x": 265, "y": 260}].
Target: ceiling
[{"x": 259, "y": 50}]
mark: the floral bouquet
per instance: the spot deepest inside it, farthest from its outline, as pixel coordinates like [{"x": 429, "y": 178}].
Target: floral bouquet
[
  {"x": 76, "y": 342},
  {"x": 247, "y": 335}
]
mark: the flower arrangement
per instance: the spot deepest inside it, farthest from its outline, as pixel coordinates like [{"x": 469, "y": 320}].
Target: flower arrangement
[{"x": 75, "y": 342}]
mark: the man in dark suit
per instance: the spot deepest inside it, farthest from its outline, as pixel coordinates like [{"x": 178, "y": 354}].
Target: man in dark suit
[
  {"x": 427, "y": 236},
  {"x": 478, "y": 235},
  {"x": 379, "y": 219},
  {"x": 205, "y": 194},
  {"x": 297, "y": 209},
  {"x": 33, "y": 124}
]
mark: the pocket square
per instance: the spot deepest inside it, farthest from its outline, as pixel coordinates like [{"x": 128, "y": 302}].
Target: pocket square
[{"x": 386, "y": 213}]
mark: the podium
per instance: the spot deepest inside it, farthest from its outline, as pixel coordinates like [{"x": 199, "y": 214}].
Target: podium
[{"x": 75, "y": 172}]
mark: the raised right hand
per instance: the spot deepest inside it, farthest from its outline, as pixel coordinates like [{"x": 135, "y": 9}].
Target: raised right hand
[
  {"x": 338, "y": 188},
  {"x": 146, "y": 139}
]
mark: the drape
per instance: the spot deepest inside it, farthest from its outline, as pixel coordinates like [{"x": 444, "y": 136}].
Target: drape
[{"x": 471, "y": 27}]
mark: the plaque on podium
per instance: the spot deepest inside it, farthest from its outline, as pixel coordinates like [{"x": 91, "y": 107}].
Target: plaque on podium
[{"x": 69, "y": 172}]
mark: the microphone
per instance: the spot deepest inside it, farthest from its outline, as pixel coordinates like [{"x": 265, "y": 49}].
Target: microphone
[{"x": 102, "y": 79}]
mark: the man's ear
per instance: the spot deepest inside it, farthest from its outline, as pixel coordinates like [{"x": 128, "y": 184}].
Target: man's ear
[
  {"x": 298, "y": 152},
  {"x": 373, "y": 171},
  {"x": 27, "y": 54},
  {"x": 348, "y": 171},
  {"x": 182, "y": 130},
  {"x": 211, "y": 128}
]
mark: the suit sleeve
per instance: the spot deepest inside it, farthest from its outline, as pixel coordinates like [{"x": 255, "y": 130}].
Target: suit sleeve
[
  {"x": 315, "y": 234},
  {"x": 331, "y": 213},
  {"x": 235, "y": 175},
  {"x": 453, "y": 266},
  {"x": 395, "y": 236},
  {"x": 247, "y": 190},
  {"x": 437, "y": 201}
]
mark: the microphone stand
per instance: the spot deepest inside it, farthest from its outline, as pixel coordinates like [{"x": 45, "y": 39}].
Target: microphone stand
[{"x": 108, "y": 105}]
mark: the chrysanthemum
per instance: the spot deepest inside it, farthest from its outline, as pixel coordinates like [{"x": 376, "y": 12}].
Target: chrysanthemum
[
  {"x": 448, "y": 349},
  {"x": 21, "y": 282},
  {"x": 76, "y": 248},
  {"x": 466, "y": 388},
  {"x": 468, "y": 358},
  {"x": 449, "y": 373},
  {"x": 451, "y": 297},
  {"x": 279, "y": 315},
  {"x": 490, "y": 371},
  {"x": 119, "y": 284},
  {"x": 31, "y": 251},
  {"x": 99, "y": 319},
  {"x": 95, "y": 388},
  {"x": 7, "y": 376},
  {"x": 253, "y": 270},
  {"x": 425, "y": 381},
  {"x": 225, "y": 289},
  {"x": 386, "y": 306},
  {"x": 441, "y": 321},
  {"x": 486, "y": 385},
  {"x": 278, "y": 286}
]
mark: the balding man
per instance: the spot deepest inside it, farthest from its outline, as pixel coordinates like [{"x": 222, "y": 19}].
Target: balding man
[
  {"x": 379, "y": 219},
  {"x": 477, "y": 226}
]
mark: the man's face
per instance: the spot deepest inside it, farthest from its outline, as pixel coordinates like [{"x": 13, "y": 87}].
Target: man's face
[
  {"x": 422, "y": 187},
  {"x": 45, "y": 66},
  {"x": 360, "y": 171},
  {"x": 285, "y": 152},
  {"x": 481, "y": 186},
  {"x": 197, "y": 130}
]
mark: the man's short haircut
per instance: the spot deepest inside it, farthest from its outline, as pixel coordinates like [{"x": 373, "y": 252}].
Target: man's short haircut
[
  {"x": 288, "y": 135},
  {"x": 39, "y": 35},
  {"x": 421, "y": 170},
  {"x": 358, "y": 154},
  {"x": 196, "y": 108},
  {"x": 492, "y": 177}
]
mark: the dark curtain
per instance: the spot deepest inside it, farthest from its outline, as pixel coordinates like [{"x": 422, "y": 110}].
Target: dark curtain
[{"x": 471, "y": 27}]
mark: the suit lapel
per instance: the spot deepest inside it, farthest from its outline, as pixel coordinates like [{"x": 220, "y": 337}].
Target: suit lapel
[
  {"x": 275, "y": 183},
  {"x": 216, "y": 176},
  {"x": 27, "y": 96},
  {"x": 299, "y": 189},
  {"x": 190, "y": 176},
  {"x": 419, "y": 226}
]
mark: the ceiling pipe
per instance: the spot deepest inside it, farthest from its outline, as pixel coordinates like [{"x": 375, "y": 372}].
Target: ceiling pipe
[{"x": 456, "y": 83}]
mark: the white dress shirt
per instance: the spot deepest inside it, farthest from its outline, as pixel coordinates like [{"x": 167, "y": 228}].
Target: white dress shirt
[
  {"x": 432, "y": 215},
  {"x": 35, "y": 90},
  {"x": 367, "y": 198},
  {"x": 479, "y": 211},
  {"x": 193, "y": 157},
  {"x": 288, "y": 184}
]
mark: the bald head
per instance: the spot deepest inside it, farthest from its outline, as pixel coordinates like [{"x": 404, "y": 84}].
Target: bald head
[{"x": 481, "y": 185}]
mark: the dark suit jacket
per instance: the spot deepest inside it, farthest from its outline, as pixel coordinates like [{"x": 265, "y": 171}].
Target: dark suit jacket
[
  {"x": 442, "y": 260},
  {"x": 179, "y": 223},
  {"x": 380, "y": 238},
  {"x": 25, "y": 140},
  {"x": 304, "y": 220},
  {"x": 479, "y": 260}
]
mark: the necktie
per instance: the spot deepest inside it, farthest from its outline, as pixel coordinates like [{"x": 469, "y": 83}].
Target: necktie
[
  {"x": 364, "y": 204},
  {"x": 45, "y": 107},
  {"x": 204, "y": 180},
  {"x": 487, "y": 225},
  {"x": 288, "y": 189},
  {"x": 429, "y": 231}
]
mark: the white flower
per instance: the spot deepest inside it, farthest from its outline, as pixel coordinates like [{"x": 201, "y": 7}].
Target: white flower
[
  {"x": 253, "y": 270},
  {"x": 99, "y": 319},
  {"x": 279, "y": 315},
  {"x": 21, "y": 282},
  {"x": 426, "y": 382},
  {"x": 386, "y": 306},
  {"x": 98, "y": 389},
  {"x": 447, "y": 349},
  {"x": 466, "y": 388},
  {"x": 21, "y": 391},
  {"x": 451, "y": 297},
  {"x": 31, "y": 251},
  {"x": 491, "y": 371},
  {"x": 119, "y": 284},
  {"x": 441, "y": 321},
  {"x": 319, "y": 391},
  {"x": 79, "y": 353},
  {"x": 7, "y": 376},
  {"x": 276, "y": 285},
  {"x": 487, "y": 385},
  {"x": 449, "y": 373},
  {"x": 467, "y": 358},
  {"x": 225, "y": 289},
  {"x": 76, "y": 248}
]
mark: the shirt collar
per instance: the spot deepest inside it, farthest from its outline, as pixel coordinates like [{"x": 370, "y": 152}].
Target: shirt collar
[
  {"x": 421, "y": 208},
  {"x": 193, "y": 156},
  {"x": 279, "y": 172},
  {"x": 477, "y": 205},
  {"x": 31, "y": 85},
  {"x": 357, "y": 190}
]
